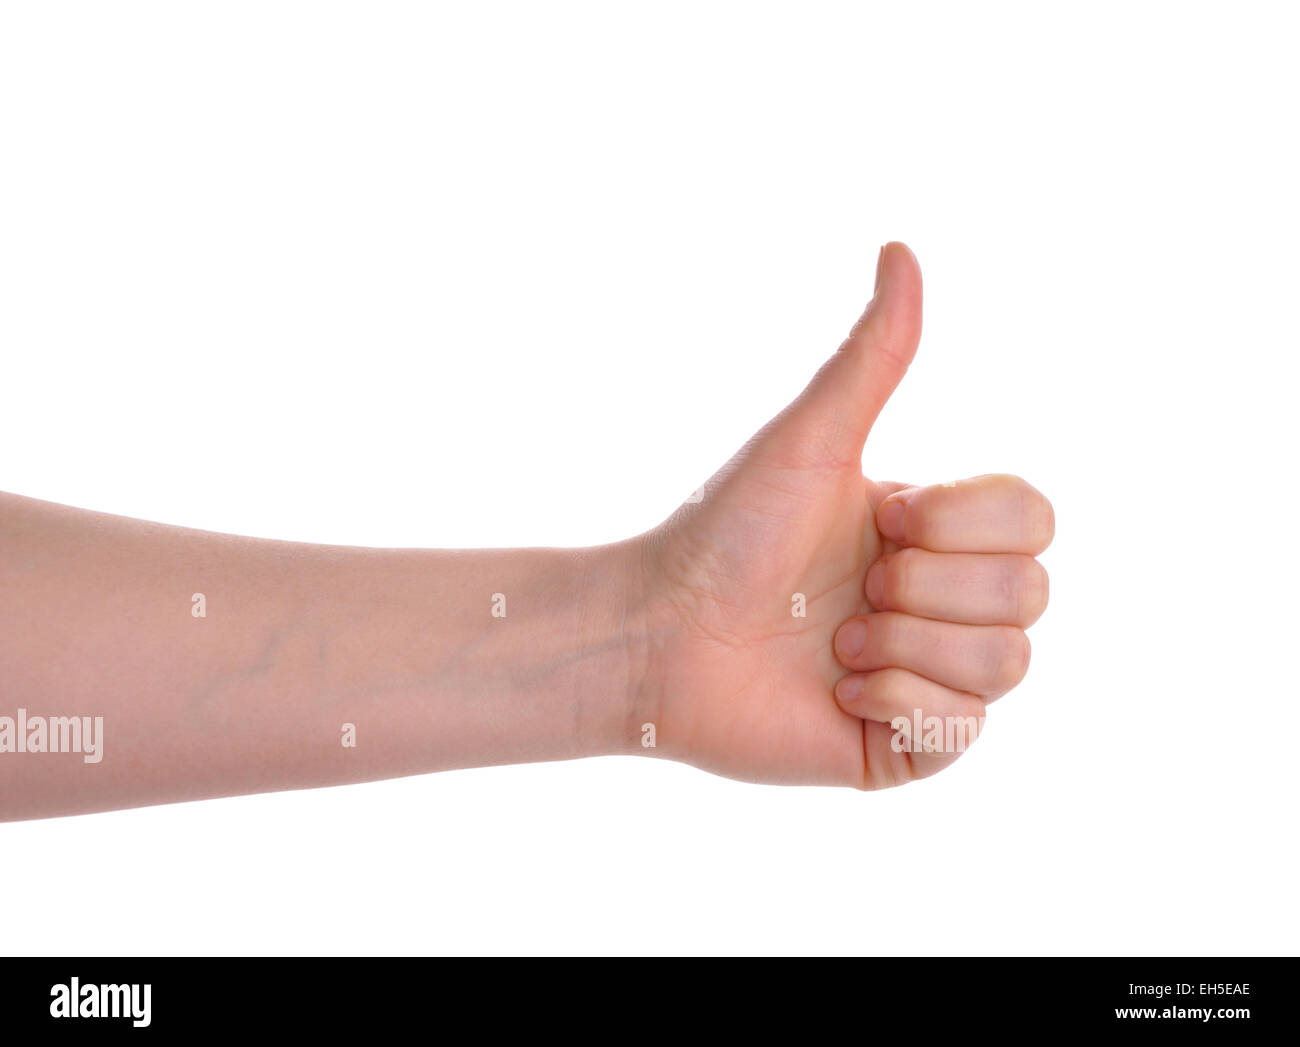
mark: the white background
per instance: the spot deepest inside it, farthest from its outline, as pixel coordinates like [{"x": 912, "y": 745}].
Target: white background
[{"x": 460, "y": 275}]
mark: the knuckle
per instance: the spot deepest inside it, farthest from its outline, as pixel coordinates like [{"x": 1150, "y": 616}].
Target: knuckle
[
  {"x": 887, "y": 642},
  {"x": 1034, "y": 593},
  {"x": 1013, "y": 662},
  {"x": 1010, "y": 589},
  {"x": 1005, "y": 485},
  {"x": 888, "y": 691},
  {"x": 900, "y": 577},
  {"x": 1029, "y": 581},
  {"x": 1038, "y": 519}
]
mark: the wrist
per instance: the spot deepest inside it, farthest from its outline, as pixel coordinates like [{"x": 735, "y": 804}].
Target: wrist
[{"x": 618, "y": 692}]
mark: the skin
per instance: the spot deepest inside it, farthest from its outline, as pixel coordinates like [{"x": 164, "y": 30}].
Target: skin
[
  {"x": 915, "y": 599},
  {"x": 940, "y": 580}
]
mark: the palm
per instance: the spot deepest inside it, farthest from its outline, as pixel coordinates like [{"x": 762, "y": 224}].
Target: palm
[{"x": 765, "y": 571}]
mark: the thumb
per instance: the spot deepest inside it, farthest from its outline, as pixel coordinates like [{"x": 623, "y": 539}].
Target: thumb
[{"x": 834, "y": 414}]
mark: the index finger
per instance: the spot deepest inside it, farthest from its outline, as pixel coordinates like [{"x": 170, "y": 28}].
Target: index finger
[{"x": 985, "y": 514}]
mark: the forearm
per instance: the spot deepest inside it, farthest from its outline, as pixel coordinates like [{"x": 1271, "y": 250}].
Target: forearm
[{"x": 436, "y": 659}]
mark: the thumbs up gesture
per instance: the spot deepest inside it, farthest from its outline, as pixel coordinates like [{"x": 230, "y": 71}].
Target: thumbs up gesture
[{"x": 812, "y": 626}]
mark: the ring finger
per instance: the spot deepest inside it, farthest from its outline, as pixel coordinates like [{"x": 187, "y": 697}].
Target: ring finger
[{"x": 986, "y": 660}]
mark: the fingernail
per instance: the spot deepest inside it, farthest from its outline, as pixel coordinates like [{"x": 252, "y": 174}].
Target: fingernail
[
  {"x": 880, "y": 268},
  {"x": 876, "y": 585},
  {"x": 851, "y": 638},
  {"x": 849, "y": 688},
  {"x": 891, "y": 516}
]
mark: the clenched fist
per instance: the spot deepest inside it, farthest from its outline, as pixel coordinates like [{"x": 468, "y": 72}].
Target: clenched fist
[{"x": 809, "y": 625}]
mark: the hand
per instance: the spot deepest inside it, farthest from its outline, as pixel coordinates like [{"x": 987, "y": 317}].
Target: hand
[{"x": 801, "y": 607}]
